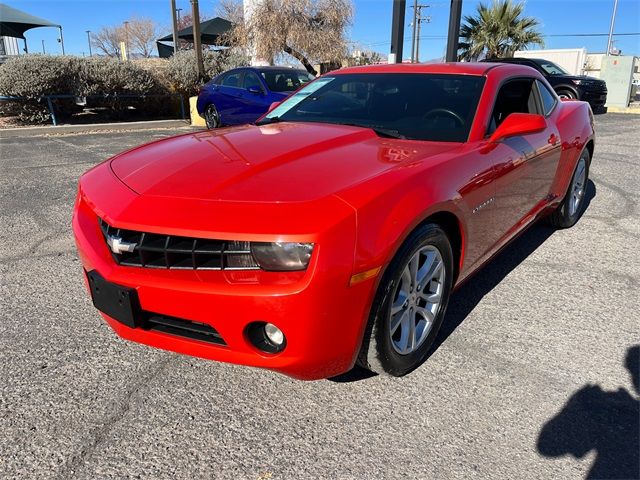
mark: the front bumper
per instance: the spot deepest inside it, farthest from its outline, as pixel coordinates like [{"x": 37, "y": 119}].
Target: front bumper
[
  {"x": 595, "y": 98},
  {"x": 321, "y": 315}
]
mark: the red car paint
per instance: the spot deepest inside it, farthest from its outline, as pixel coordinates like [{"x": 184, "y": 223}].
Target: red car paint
[{"x": 355, "y": 195}]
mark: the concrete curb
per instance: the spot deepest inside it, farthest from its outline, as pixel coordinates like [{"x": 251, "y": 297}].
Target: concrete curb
[
  {"x": 633, "y": 110},
  {"x": 96, "y": 127}
]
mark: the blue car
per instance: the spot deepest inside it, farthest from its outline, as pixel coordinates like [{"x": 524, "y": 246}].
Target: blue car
[{"x": 243, "y": 95}]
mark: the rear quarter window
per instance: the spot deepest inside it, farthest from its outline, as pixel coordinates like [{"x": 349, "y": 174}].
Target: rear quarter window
[{"x": 547, "y": 98}]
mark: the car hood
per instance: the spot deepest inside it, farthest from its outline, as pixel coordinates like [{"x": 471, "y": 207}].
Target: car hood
[
  {"x": 281, "y": 162},
  {"x": 582, "y": 77}
]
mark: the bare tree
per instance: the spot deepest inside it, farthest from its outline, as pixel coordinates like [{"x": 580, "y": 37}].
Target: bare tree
[
  {"x": 142, "y": 34},
  {"x": 311, "y": 31},
  {"x": 107, "y": 40}
]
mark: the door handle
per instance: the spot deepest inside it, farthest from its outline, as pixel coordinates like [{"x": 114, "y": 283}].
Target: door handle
[{"x": 553, "y": 139}]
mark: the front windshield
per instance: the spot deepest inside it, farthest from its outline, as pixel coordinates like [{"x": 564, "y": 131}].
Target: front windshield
[
  {"x": 285, "y": 80},
  {"x": 403, "y": 105},
  {"x": 552, "y": 69}
]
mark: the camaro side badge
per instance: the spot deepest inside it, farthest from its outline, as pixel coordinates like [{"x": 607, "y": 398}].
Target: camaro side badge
[
  {"x": 117, "y": 246},
  {"x": 482, "y": 205}
]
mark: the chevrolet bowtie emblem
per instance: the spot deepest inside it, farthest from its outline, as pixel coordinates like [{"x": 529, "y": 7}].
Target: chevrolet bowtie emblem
[{"x": 117, "y": 246}]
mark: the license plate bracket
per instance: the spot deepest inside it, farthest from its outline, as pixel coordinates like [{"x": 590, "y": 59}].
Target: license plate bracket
[{"x": 119, "y": 302}]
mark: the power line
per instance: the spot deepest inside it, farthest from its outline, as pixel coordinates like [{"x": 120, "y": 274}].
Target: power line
[{"x": 436, "y": 37}]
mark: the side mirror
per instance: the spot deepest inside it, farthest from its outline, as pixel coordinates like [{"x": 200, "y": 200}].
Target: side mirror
[
  {"x": 255, "y": 90},
  {"x": 518, "y": 124},
  {"x": 273, "y": 105}
]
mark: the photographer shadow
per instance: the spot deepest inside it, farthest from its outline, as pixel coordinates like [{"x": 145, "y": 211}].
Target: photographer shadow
[{"x": 607, "y": 422}]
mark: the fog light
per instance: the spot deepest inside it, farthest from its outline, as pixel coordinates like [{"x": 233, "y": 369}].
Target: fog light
[
  {"x": 266, "y": 337},
  {"x": 274, "y": 334}
]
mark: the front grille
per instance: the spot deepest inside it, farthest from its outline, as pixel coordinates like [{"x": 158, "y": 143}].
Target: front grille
[
  {"x": 150, "y": 250},
  {"x": 183, "y": 328}
]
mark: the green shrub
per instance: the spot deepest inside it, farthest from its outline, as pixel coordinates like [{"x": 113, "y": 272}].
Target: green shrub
[
  {"x": 34, "y": 76},
  {"x": 31, "y": 77},
  {"x": 182, "y": 71}
]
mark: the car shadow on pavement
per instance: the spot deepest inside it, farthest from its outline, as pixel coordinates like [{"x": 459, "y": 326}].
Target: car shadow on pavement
[
  {"x": 607, "y": 422},
  {"x": 467, "y": 297}
]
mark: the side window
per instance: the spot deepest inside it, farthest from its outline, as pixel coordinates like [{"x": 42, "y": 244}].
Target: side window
[
  {"x": 231, "y": 79},
  {"x": 548, "y": 99},
  {"x": 251, "y": 80},
  {"x": 515, "y": 96}
]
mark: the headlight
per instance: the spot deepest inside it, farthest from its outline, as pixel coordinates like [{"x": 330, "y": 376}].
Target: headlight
[
  {"x": 282, "y": 256},
  {"x": 577, "y": 82}
]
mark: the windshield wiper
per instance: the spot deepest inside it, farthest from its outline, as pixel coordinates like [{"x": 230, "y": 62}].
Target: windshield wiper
[{"x": 381, "y": 131}]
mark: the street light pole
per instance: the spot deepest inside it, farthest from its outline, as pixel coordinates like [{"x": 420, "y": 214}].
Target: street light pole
[
  {"x": 89, "y": 40},
  {"x": 197, "y": 46},
  {"x": 174, "y": 22},
  {"x": 43, "y": 50},
  {"x": 61, "y": 39},
  {"x": 613, "y": 21}
]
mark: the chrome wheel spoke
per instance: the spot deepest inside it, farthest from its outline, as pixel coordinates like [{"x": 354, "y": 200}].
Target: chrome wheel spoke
[
  {"x": 397, "y": 320},
  {"x": 426, "y": 314},
  {"x": 414, "y": 267}
]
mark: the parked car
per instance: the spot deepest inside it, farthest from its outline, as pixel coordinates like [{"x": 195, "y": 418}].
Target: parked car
[
  {"x": 334, "y": 230},
  {"x": 243, "y": 95},
  {"x": 567, "y": 86}
]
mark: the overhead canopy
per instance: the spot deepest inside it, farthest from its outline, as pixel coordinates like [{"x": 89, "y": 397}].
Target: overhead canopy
[
  {"x": 13, "y": 23},
  {"x": 210, "y": 32}
]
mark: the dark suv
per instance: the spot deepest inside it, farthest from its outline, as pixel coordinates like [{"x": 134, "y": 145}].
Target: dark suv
[{"x": 589, "y": 89}]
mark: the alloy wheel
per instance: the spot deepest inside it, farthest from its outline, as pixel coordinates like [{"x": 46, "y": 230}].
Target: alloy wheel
[
  {"x": 416, "y": 300},
  {"x": 578, "y": 186},
  {"x": 211, "y": 117}
]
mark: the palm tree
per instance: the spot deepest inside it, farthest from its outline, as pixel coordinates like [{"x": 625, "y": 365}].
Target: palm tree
[{"x": 497, "y": 30}]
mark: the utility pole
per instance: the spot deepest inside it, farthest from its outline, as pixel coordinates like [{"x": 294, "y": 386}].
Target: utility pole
[
  {"x": 455, "y": 16},
  {"x": 613, "y": 21},
  {"x": 397, "y": 31},
  {"x": 178, "y": 10},
  {"x": 89, "y": 41},
  {"x": 419, "y": 19},
  {"x": 174, "y": 21},
  {"x": 43, "y": 50},
  {"x": 413, "y": 33},
  {"x": 195, "y": 16}
]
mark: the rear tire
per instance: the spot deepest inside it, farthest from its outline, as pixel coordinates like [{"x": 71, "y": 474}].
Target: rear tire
[
  {"x": 572, "y": 206},
  {"x": 410, "y": 304}
]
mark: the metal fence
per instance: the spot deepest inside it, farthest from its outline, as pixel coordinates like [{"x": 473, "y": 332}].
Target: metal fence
[{"x": 82, "y": 100}]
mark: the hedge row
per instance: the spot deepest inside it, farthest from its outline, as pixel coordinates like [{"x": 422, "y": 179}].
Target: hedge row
[{"x": 34, "y": 76}]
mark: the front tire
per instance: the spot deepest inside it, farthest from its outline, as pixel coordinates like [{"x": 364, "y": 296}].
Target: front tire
[
  {"x": 410, "y": 304},
  {"x": 572, "y": 206},
  {"x": 566, "y": 94},
  {"x": 211, "y": 116}
]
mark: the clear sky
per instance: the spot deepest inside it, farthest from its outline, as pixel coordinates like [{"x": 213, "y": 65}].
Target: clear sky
[{"x": 371, "y": 26}]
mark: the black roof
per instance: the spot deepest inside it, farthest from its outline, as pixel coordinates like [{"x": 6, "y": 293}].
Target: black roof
[{"x": 13, "y": 22}]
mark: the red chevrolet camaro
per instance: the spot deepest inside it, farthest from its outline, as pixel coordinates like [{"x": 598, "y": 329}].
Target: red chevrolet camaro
[{"x": 333, "y": 231}]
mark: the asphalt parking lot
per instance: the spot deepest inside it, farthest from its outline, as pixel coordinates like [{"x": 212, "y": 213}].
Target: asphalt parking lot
[{"x": 528, "y": 378}]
